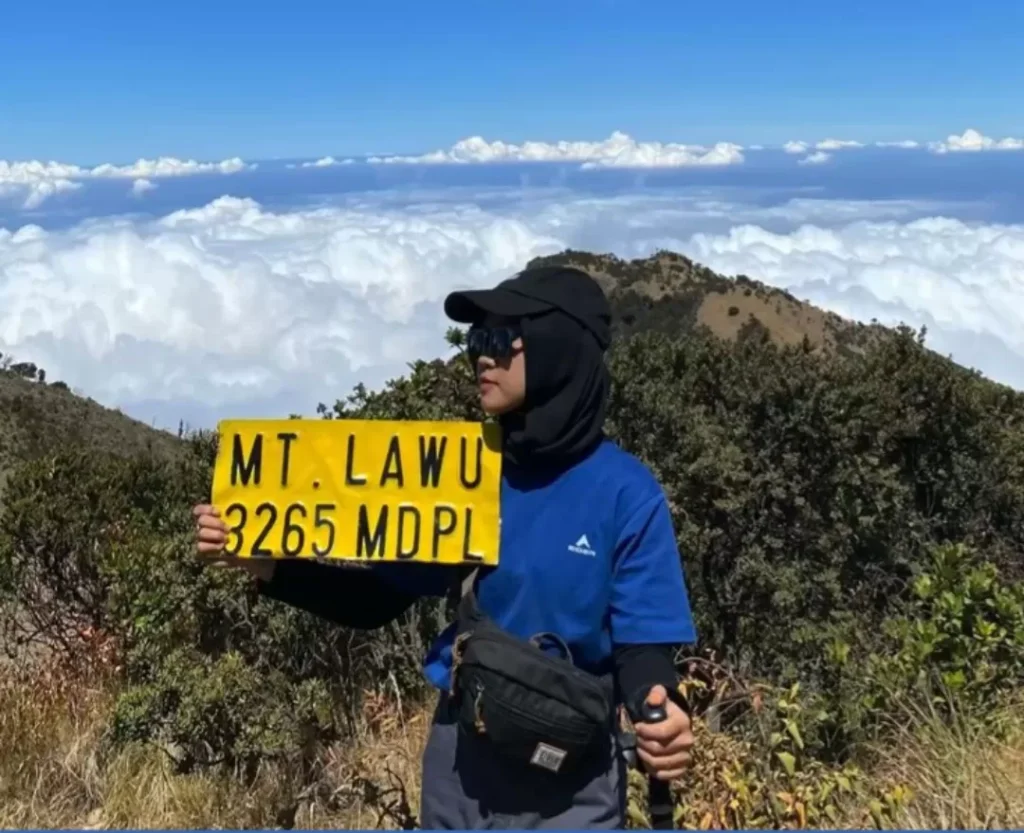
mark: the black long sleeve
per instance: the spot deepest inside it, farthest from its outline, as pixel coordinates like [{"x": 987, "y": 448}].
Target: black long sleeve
[
  {"x": 638, "y": 668},
  {"x": 350, "y": 597}
]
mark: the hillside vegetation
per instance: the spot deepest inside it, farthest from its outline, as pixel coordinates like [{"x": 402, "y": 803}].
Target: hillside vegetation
[
  {"x": 850, "y": 513},
  {"x": 39, "y": 417}
]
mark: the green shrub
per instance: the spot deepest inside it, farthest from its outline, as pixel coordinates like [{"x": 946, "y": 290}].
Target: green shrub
[
  {"x": 808, "y": 491},
  {"x": 960, "y": 642},
  {"x": 763, "y": 774},
  {"x": 64, "y": 514},
  {"x": 97, "y": 550}
]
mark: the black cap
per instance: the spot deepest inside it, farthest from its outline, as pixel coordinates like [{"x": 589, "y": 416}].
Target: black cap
[{"x": 534, "y": 292}]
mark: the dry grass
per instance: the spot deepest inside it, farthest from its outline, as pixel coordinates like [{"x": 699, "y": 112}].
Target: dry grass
[
  {"x": 54, "y": 771},
  {"x": 961, "y": 776},
  {"x": 377, "y": 778}
]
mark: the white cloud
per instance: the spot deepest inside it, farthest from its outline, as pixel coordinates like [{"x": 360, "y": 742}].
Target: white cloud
[
  {"x": 837, "y": 144},
  {"x": 233, "y": 309},
  {"x": 326, "y": 162},
  {"x": 141, "y": 186},
  {"x": 972, "y": 140},
  {"x": 617, "y": 151},
  {"x": 817, "y": 158},
  {"x": 166, "y": 166},
  {"x": 33, "y": 194},
  {"x": 825, "y": 144},
  {"x": 228, "y": 304},
  {"x": 33, "y": 182},
  {"x": 907, "y": 144}
]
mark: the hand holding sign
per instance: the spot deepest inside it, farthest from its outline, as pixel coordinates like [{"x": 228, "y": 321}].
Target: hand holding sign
[{"x": 211, "y": 538}]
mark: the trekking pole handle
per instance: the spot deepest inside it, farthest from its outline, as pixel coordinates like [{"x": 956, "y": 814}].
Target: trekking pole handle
[{"x": 659, "y": 794}]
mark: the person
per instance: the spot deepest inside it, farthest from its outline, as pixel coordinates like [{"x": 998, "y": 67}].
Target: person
[{"x": 588, "y": 552}]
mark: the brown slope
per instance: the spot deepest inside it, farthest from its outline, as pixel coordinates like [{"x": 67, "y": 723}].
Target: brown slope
[{"x": 670, "y": 293}]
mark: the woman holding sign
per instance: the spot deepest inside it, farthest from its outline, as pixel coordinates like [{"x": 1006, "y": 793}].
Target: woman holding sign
[{"x": 583, "y": 609}]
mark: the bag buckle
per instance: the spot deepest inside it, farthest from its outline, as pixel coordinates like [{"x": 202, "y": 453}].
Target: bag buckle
[
  {"x": 457, "y": 644},
  {"x": 538, "y": 640},
  {"x": 627, "y": 745},
  {"x": 478, "y": 717}
]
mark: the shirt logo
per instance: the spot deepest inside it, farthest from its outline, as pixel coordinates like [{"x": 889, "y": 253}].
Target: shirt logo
[{"x": 582, "y": 547}]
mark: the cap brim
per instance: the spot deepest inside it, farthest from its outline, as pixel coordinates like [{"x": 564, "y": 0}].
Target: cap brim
[{"x": 470, "y": 306}]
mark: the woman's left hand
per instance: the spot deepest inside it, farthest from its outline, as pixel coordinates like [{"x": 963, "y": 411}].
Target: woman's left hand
[{"x": 664, "y": 748}]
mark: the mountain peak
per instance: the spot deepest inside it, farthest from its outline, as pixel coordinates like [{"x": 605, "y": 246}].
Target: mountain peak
[{"x": 668, "y": 292}]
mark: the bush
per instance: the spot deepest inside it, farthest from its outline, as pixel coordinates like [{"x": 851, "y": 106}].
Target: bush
[
  {"x": 959, "y": 644},
  {"x": 764, "y": 773},
  {"x": 63, "y": 515},
  {"x": 809, "y": 493},
  {"x": 97, "y": 551},
  {"x": 807, "y": 490}
]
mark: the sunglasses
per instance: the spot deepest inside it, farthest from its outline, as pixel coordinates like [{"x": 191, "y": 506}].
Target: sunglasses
[{"x": 493, "y": 342}]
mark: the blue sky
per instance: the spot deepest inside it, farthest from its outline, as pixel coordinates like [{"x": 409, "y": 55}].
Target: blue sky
[
  {"x": 110, "y": 81},
  {"x": 323, "y": 190}
]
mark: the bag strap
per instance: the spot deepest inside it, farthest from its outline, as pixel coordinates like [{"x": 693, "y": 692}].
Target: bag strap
[
  {"x": 467, "y": 610},
  {"x": 468, "y": 580},
  {"x": 461, "y": 598}
]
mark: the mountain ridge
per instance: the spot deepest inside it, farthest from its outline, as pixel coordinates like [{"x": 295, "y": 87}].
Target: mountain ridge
[{"x": 670, "y": 292}]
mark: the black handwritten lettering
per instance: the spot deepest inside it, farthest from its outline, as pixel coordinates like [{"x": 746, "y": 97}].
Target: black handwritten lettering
[
  {"x": 402, "y": 552},
  {"x": 431, "y": 460},
  {"x": 246, "y": 469},
  {"x": 287, "y": 437},
  {"x": 443, "y": 530},
  {"x": 393, "y": 461},
  {"x": 466, "y": 535},
  {"x": 463, "y": 462},
  {"x": 350, "y": 478},
  {"x": 365, "y": 542}
]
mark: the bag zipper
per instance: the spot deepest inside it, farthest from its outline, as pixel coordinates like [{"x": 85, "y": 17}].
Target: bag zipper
[
  {"x": 584, "y": 677},
  {"x": 541, "y": 692},
  {"x": 531, "y": 719}
]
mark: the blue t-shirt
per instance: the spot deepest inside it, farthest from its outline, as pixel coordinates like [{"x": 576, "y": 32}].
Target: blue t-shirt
[{"x": 590, "y": 555}]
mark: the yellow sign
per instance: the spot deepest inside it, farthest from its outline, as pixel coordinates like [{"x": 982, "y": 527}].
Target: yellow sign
[{"x": 360, "y": 490}]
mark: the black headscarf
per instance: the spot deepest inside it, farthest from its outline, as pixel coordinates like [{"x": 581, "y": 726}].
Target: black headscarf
[
  {"x": 565, "y": 321},
  {"x": 566, "y": 393}
]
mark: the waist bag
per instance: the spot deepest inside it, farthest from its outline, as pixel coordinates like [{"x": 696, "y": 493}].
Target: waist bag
[{"x": 537, "y": 709}]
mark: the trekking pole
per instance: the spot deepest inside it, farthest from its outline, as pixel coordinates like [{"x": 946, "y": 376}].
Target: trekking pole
[{"x": 659, "y": 793}]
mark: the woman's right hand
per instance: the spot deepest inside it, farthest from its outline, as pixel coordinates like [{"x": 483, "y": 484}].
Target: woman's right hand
[{"x": 211, "y": 538}]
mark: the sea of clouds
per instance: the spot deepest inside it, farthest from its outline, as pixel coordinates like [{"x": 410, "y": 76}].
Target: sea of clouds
[
  {"x": 35, "y": 181},
  {"x": 240, "y": 307}
]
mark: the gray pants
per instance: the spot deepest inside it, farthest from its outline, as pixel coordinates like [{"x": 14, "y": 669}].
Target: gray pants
[{"x": 467, "y": 786}]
